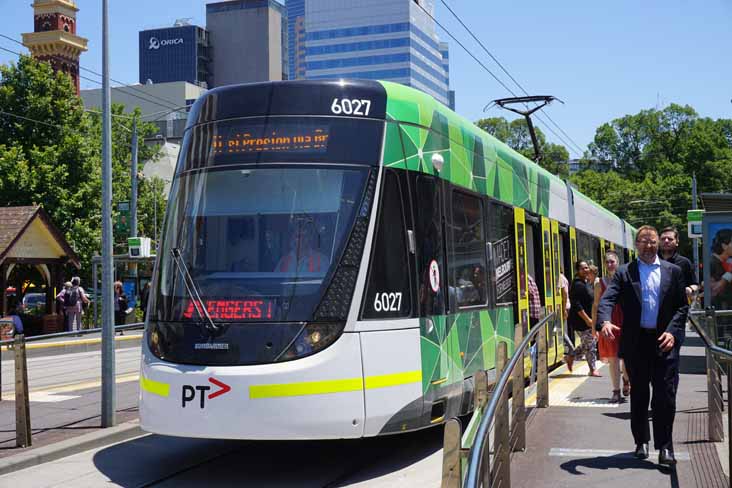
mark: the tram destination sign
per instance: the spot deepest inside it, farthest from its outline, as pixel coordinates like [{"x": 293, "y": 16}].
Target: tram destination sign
[
  {"x": 246, "y": 309},
  {"x": 242, "y": 139}
]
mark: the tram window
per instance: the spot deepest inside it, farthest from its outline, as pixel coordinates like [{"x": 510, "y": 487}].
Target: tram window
[
  {"x": 501, "y": 237},
  {"x": 468, "y": 257},
  {"x": 430, "y": 246},
  {"x": 585, "y": 248},
  {"x": 388, "y": 291}
]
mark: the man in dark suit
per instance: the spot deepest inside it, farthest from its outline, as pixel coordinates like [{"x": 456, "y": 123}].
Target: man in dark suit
[{"x": 651, "y": 293}]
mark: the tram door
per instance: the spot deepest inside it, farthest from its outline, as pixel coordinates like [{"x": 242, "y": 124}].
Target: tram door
[
  {"x": 573, "y": 256},
  {"x": 549, "y": 285},
  {"x": 559, "y": 324},
  {"x": 603, "y": 248},
  {"x": 522, "y": 284}
]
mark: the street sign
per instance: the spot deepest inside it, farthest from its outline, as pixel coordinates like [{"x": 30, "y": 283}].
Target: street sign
[
  {"x": 694, "y": 219},
  {"x": 122, "y": 224}
]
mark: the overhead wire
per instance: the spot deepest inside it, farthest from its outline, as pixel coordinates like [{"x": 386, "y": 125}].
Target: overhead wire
[
  {"x": 500, "y": 65},
  {"x": 480, "y": 43},
  {"x": 148, "y": 97},
  {"x": 571, "y": 144}
]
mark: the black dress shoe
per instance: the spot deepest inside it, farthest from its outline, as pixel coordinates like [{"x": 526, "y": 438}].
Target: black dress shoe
[
  {"x": 641, "y": 451},
  {"x": 666, "y": 456}
]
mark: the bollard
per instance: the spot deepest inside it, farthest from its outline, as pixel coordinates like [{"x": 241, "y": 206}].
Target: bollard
[
  {"x": 518, "y": 405},
  {"x": 22, "y": 406},
  {"x": 452, "y": 474},
  {"x": 501, "y": 475},
  {"x": 481, "y": 400},
  {"x": 542, "y": 375}
]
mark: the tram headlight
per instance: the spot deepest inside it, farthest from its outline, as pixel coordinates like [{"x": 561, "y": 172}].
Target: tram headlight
[{"x": 314, "y": 337}]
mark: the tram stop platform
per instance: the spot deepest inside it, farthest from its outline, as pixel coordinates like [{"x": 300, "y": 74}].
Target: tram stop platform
[{"x": 583, "y": 440}]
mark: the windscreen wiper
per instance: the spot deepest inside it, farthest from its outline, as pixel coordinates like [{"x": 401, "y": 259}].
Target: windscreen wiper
[{"x": 192, "y": 290}]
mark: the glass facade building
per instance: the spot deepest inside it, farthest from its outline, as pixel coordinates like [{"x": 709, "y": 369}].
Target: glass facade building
[
  {"x": 179, "y": 53},
  {"x": 392, "y": 40}
]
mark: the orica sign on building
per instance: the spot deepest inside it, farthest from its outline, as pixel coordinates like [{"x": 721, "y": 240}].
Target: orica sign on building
[{"x": 155, "y": 43}]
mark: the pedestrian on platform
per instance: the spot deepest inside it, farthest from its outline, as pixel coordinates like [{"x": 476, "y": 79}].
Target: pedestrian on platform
[
  {"x": 74, "y": 300},
  {"x": 534, "y": 318},
  {"x": 563, "y": 287},
  {"x": 60, "y": 305},
  {"x": 651, "y": 294},
  {"x": 581, "y": 297},
  {"x": 668, "y": 251},
  {"x": 534, "y": 302},
  {"x": 608, "y": 346}
]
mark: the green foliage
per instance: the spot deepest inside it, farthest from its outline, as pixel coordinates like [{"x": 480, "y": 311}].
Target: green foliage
[
  {"x": 516, "y": 135},
  {"x": 653, "y": 155},
  {"x": 58, "y": 163}
]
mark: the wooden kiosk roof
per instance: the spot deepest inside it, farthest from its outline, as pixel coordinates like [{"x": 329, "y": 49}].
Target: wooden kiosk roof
[{"x": 27, "y": 233}]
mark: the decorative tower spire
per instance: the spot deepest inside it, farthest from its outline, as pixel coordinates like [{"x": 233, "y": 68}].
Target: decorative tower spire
[{"x": 54, "y": 38}]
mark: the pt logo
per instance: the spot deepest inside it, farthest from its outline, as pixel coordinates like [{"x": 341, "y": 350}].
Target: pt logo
[{"x": 188, "y": 393}]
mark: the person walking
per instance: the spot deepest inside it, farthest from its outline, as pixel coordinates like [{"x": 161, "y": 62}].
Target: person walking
[
  {"x": 607, "y": 346},
  {"x": 563, "y": 287},
  {"x": 74, "y": 300},
  {"x": 60, "y": 305},
  {"x": 534, "y": 318},
  {"x": 651, "y": 294},
  {"x": 668, "y": 251},
  {"x": 120, "y": 303},
  {"x": 580, "y": 296}
]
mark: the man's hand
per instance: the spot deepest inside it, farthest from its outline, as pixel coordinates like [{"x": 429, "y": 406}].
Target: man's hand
[
  {"x": 609, "y": 330},
  {"x": 666, "y": 342}
]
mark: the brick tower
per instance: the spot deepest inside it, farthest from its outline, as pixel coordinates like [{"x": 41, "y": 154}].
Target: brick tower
[{"x": 54, "y": 38}]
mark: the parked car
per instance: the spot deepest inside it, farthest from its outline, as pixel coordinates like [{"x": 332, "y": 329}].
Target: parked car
[{"x": 34, "y": 303}]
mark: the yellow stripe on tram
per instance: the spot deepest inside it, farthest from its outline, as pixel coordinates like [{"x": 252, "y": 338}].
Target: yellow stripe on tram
[
  {"x": 395, "y": 379},
  {"x": 306, "y": 388},
  {"x": 333, "y": 386},
  {"x": 154, "y": 387}
]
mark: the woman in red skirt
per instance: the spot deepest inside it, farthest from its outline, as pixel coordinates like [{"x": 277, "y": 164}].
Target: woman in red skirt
[{"x": 608, "y": 348}]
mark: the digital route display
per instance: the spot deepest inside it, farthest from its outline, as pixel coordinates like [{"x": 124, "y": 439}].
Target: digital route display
[
  {"x": 283, "y": 138},
  {"x": 247, "y": 309}
]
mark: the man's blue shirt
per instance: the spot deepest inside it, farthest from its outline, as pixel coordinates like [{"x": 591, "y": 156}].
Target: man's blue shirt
[{"x": 650, "y": 280}]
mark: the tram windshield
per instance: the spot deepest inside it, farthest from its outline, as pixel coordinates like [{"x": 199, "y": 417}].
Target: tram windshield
[{"x": 260, "y": 242}]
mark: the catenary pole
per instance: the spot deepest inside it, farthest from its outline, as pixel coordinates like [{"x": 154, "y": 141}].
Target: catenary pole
[
  {"x": 133, "y": 171},
  {"x": 108, "y": 366},
  {"x": 694, "y": 242}
]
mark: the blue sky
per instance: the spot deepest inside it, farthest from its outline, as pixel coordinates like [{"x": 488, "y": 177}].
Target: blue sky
[{"x": 603, "y": 59}]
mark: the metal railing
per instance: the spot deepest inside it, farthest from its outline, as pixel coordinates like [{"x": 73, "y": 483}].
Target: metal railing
[
  {"x": 468, "y": 460},
  {"x": 75, "y": 333},
  {"x": 23, "y": 431},
  {"x": 710, "y": 336}
]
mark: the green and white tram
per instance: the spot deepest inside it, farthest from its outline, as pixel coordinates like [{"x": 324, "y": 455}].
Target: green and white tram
[{"x": 340, "y": 257}]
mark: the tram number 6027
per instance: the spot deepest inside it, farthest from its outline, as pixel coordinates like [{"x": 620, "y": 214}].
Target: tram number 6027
[
  {"x": 388, "y": 302},
  {"x": 348, "y": 106}
]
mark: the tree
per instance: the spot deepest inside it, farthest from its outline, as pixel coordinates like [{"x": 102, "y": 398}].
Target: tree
[
  {"x": 654, "y": 154},
  {"x": 52, "y": 156},
  {"x": 555, "y": 157}
]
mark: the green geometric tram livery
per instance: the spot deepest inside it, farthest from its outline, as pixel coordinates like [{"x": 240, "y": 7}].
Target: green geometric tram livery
[{"x": 343, "y": 256}]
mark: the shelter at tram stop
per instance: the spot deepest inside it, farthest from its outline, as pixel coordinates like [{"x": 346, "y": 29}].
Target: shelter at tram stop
[{"x": 34, "y": 257}]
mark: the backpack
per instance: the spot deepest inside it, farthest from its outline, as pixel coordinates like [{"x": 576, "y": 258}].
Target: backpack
[{"x": 71, "y": 297}]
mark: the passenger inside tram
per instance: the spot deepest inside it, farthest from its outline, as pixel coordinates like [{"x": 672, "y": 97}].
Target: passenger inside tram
[{"x": 305, "y": 250}]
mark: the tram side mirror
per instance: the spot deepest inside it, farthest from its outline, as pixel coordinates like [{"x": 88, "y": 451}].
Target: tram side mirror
[{"x": 438, "y": 161}]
